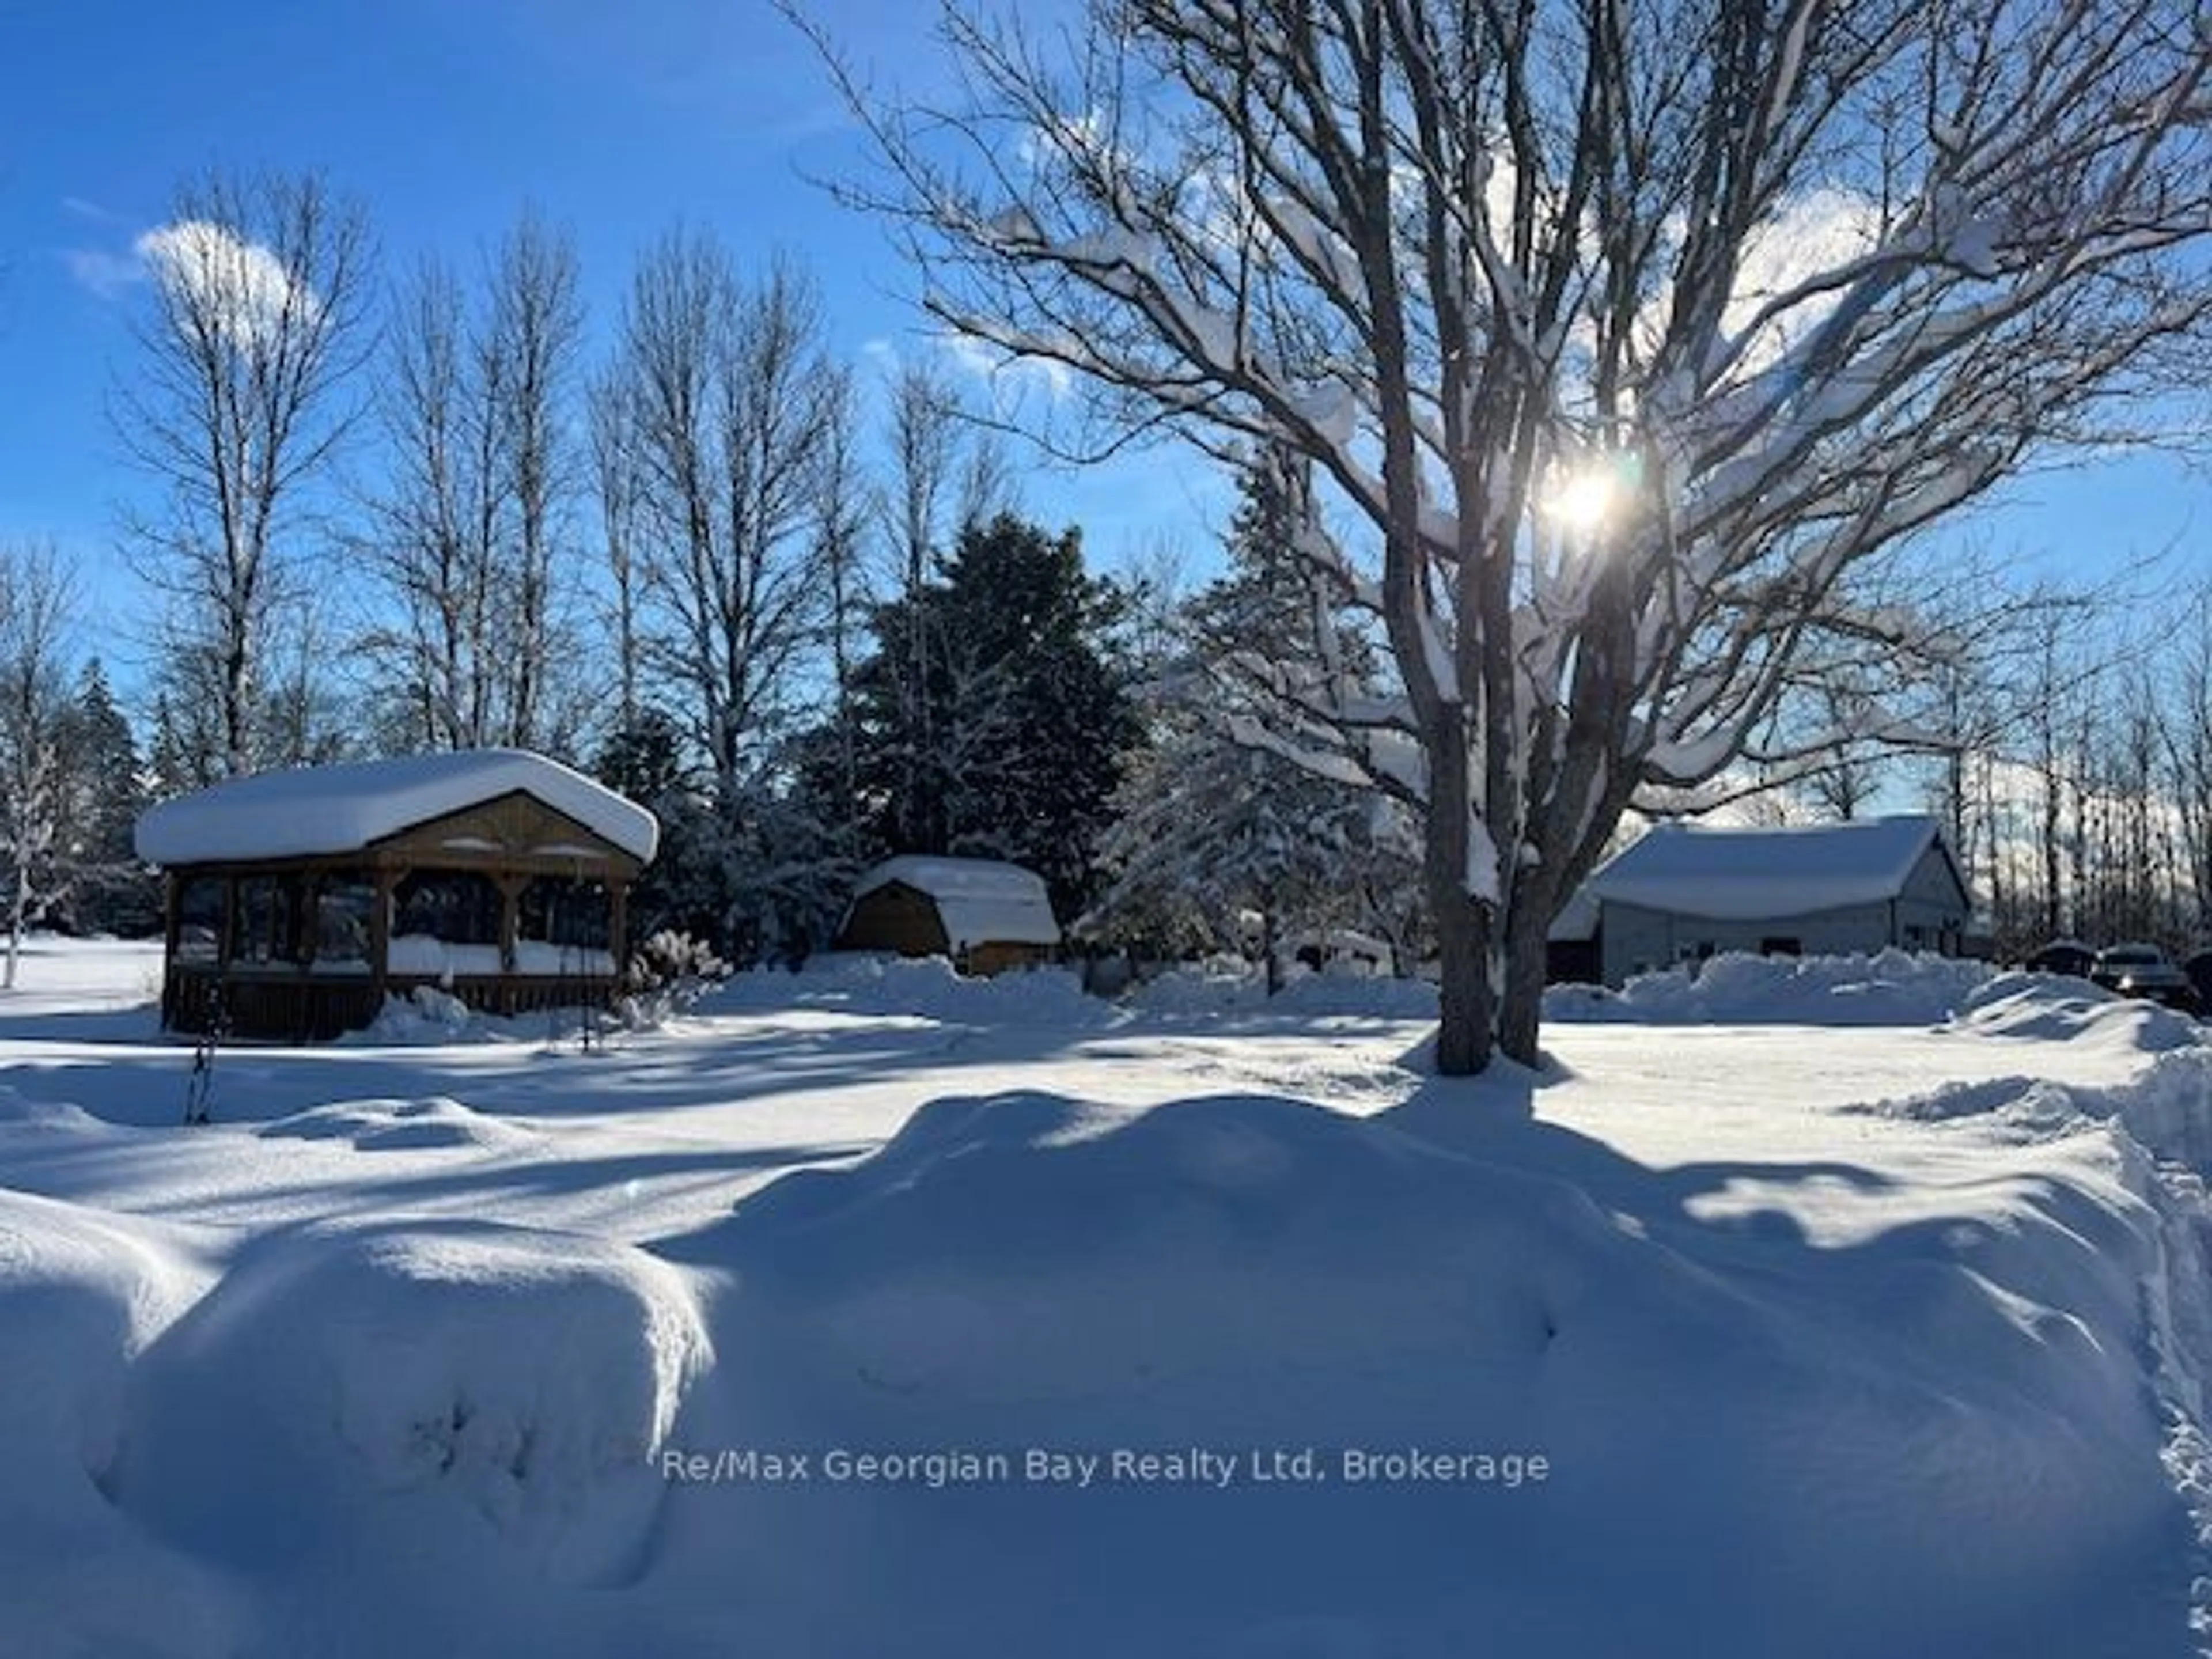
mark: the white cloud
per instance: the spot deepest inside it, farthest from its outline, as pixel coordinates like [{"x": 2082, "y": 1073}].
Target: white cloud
[
  {"x": 1011, "y": 380},
  {"x": 107, "y": 275},
  {"x": 79, "y": 207},
  {"x": 242, "y": 285},
  {"x": 1824, "y": 230}
]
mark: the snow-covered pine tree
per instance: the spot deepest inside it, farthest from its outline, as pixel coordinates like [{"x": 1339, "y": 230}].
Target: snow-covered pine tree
[
  {"x": 645, "y": 759},
  {"x": 104, "y": 791},
  {"x": 1223, "y": 839}
]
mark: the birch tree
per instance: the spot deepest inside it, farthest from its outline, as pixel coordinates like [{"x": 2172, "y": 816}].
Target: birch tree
[
  {"x": 257, "y": 324},
  {"x": 1623, "y": 333}
]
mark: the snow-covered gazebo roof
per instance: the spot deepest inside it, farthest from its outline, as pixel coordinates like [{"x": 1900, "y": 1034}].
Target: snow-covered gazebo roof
[
  {"x": 1741, "y": 874},
  {"x": 319, "y": 811},
  {"x": 980, "y": 901}
]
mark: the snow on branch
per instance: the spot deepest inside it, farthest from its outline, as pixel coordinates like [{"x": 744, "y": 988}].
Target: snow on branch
[{"x": 1827, "y": 275}]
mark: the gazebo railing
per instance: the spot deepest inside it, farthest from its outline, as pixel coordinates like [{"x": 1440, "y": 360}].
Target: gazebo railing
[{"x": 315, "y": 1008}]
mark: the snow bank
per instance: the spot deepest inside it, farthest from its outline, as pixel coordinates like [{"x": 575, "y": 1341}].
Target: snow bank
[
  {"x": 1229, "y": 984},
  {"x": 81, "y": 1293},
  {"x": 415, "y": 1394},
  {"x": 2166, "y": 1108},
  {"x": 2052, "y": 1008},
  {"x": 925, "y": 987},
  {"x": 1355, "y": 996},
  {"x": 1893, "y": 988},
  {"x": 2159, "y": 1122},
  {"x": 16, "y": 1110},
  {"x": 426, "y": 1015},
  {"x": 1738, "y": 1433},
  {"x": 1218, "y": 985}
]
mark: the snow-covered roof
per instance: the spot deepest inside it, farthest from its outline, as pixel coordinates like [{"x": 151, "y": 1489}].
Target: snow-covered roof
[
  {"x": 1739, "y": 874},
  {"x": 318, "y": 810},
  {"x": 981, "y": 901}
]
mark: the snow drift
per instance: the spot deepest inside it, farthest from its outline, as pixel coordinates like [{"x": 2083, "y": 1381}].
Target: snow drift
[
  {"x": 1738, "y": 1432},
  {"x": 453, "y": 1417},
  {"x": 1726, "y": 1367},
  {"x": 924, "y": 987}
]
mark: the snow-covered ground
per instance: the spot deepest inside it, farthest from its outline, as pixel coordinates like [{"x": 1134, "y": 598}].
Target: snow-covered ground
[{"x": 871, "y": 1312}]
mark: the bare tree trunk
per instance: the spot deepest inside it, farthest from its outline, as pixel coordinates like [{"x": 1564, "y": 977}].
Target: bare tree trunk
[
  {"x": 1466, "y": 998},
  {"x": 19, "y": 912},
  {"x": 537, "y": 329},
  {"x": 616, "y": 469}
]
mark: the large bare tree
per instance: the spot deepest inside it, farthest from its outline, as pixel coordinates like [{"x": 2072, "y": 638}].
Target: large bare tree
[
  {"x": 1621, "y": 332},
  {"x": 237, "y": 400},
  {"x": 723, "y": 399},
  {"x": 468, "y": 527}
]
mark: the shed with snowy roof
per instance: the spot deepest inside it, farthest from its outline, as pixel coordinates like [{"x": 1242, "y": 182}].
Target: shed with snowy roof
[
  {"x": 1685, "y": 891},
  {"x": 985, "y": 916},
  {"x": 298, "y": 900}
]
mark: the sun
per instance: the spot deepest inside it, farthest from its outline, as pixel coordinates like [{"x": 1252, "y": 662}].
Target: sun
[{"x": 1583, "y": 499}]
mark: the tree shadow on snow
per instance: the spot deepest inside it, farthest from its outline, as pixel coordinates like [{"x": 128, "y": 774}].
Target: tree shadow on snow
[{"x": 126, "y": 1072}]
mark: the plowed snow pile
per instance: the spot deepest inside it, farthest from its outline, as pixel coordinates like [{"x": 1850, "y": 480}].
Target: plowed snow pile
[{"x": 1892, "y": 988}]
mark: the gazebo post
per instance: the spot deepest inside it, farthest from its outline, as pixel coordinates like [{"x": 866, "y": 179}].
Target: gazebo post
[
  {"x": 380, "y": 932},
  {"x": 172, "y": 913},
  {"x": 510, "y": 887}
]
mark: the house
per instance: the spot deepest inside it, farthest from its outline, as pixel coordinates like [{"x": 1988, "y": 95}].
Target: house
[
  {"x": 985, "y": 916},
  {"x": 298, "y": 900},
  {"x": 1685, "y": 892}
]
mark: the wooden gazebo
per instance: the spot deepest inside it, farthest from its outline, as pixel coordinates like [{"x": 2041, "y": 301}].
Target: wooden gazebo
[{"x": 298, "y": 901}]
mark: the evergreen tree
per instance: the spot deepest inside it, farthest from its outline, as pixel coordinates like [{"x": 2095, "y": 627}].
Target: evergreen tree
[
  {"x": 1018, "y": 736},
  {"x": 104, "y": 791},
  {"x": 645, "y": 760},
  {"x": 175, "y": 752},
  {"x": 1225, "y": 835}
]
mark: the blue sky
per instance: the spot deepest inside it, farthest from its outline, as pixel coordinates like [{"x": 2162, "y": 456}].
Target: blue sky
[{"x": 445, "y": 116}]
